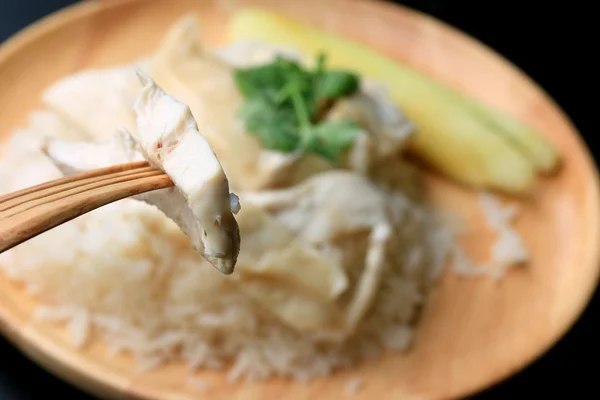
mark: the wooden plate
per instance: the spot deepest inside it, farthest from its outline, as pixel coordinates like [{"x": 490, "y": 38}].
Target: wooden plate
[{"x": 474, "y": 332}]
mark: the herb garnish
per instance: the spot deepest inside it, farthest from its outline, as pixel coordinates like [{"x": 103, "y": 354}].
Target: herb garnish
[{"x": 284, "y": 102}]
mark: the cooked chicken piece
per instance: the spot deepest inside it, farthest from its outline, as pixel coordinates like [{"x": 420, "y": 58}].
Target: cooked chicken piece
[
  {"x": 370, "y": 279},
  {"x": 44, "y": 123},
  {"x": 372, "y": 109},
  {"x": 206, "y": 84},
  {"x": 271, "y": 249},
  {"x": 33, "y": 167},
  {"x": 73, "y": 157},
  {"x": 298, "y": 310},
  {"x": 290, "y": 278},
  {"x": 168, "y": 137},
  {"x": 328, "y": 207},
  {"x": 170, "y": 140},
  {"x": 97, "y": 101}
]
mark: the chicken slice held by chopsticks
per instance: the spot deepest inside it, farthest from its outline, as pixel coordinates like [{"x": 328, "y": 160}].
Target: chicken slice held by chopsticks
[{"x": 168, "y": 138}]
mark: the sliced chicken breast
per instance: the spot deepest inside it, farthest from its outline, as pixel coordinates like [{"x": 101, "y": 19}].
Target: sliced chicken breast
[{"x": 168, "y": 137}]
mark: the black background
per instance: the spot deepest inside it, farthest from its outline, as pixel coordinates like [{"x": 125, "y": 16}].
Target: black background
[{"x": 553, "y": 43}]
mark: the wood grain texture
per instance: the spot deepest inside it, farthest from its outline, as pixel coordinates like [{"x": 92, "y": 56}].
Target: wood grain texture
[
  {"x": 473, "y": 332},
  {"x": 29, "y": 212}
]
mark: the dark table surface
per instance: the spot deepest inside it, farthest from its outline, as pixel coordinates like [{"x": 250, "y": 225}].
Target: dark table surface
[{"x": 553, "y": 44}]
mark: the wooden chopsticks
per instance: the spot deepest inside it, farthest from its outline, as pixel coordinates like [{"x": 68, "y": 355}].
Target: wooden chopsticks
[{"x": 27, "y": 213}]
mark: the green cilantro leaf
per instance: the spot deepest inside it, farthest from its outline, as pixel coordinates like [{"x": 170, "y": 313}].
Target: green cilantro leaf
[
  {"x": 284, "y": 100},
  {"x": 335, "y": 84},
  {"x": 274, "y": 127},
  {"x": 330, "y": 139}
]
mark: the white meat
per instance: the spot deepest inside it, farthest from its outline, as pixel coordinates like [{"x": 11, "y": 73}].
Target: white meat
[
  {"x": 168, "y": 137},
  {"x": 96, "y": 100},
  {"x": 330, "y": 206},
  {"x": 333, "y": 203}
]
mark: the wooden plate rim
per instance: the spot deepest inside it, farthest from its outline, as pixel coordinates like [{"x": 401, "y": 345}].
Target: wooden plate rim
[{"x": 27, "y": 339}]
